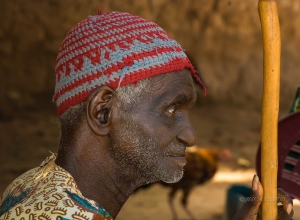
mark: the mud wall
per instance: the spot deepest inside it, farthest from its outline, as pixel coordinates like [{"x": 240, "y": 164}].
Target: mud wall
[{"x": 223, "y": 37}]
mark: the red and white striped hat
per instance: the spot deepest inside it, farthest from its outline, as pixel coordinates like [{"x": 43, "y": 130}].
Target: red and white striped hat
[{"x": 113, "y": 49}]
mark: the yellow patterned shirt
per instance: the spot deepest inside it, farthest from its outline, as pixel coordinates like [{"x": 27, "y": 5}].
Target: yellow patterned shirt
[{"x": 48, "y": 192}]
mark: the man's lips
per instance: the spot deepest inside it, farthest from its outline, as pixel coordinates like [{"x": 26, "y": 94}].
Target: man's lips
[
  {"x": 178, "y": 157},
  {"x": 176, "y": 154}
]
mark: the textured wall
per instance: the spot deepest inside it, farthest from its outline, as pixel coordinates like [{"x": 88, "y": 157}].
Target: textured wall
[{"x": 222, "y": 37}]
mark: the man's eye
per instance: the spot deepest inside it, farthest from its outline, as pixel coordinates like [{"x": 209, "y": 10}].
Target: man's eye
[{"x": 171, "y": 110}]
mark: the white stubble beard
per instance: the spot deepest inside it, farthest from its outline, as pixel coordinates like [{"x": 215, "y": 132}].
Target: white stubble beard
[{"x": 143, "y": 155}]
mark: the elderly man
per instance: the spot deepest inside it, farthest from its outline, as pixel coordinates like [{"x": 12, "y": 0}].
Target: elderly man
[{"x": 123, "y": 92}]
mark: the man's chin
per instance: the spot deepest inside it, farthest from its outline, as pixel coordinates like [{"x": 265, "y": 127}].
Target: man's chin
[{"x": 172, "y": 178}]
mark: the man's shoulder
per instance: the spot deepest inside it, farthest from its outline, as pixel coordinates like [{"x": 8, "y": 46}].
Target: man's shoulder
[
  {"x": 47, "y": 192},
  {"x": 27, "y": 180}
]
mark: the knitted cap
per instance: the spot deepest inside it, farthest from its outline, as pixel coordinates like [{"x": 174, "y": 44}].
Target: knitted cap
[{"x": 113, "y": 49}]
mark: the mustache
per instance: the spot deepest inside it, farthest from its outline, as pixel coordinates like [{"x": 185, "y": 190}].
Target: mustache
[{"x": 176, "y": 149}]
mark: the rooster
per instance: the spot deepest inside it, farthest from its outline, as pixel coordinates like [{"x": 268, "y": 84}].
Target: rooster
[{"x": 202, "y": 164}]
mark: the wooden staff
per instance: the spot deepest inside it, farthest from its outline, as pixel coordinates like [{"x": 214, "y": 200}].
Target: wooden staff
[{"x": 270, "y": 106}]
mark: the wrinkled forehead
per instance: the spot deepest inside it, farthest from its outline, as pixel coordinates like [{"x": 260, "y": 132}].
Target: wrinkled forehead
[
  {"x": 168, "y": 86},
  {"x": 184, "y": 75}
]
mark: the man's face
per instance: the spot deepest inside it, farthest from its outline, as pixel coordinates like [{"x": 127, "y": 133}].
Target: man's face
[{"x": 151, "y": 136}]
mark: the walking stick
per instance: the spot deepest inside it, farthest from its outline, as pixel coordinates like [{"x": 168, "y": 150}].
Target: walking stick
[{"x": 270, "y": 105}]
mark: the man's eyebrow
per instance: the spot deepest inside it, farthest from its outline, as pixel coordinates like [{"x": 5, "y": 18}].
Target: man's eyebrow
[{"x": 183, "y": 96}]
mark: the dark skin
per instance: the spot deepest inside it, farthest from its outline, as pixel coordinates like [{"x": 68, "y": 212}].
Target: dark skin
[
  {"x": 108, "y": 168},
  {"x": 252, "y": 209}
]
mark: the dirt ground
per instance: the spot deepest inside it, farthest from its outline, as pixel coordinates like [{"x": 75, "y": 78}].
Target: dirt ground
[{"x": 29, "y": 133}]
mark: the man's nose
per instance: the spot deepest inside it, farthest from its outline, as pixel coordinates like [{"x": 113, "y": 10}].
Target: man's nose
[{"x": 188, "y": 135}]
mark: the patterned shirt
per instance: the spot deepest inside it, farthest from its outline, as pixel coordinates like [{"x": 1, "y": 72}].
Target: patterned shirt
[{"x": 48, "y": 192}]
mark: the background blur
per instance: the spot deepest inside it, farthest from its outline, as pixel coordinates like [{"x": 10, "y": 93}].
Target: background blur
[{"x": 223, "y": 39}]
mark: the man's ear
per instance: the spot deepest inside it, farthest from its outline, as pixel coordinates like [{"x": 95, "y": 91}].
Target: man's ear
[{"x": 98, "y": 109}]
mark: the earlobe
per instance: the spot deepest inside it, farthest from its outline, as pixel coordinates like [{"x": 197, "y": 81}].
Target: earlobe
[{"x": 98, "y": 110}]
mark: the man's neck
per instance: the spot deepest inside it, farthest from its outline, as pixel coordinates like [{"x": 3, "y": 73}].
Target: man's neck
[{"x": 97, "y": 175}]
